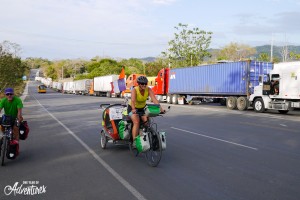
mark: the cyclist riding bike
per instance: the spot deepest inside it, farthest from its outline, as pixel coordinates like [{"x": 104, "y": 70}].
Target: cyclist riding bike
[
  {"x": 12, "y": 106},
  {"x": 136, "y": 105}
]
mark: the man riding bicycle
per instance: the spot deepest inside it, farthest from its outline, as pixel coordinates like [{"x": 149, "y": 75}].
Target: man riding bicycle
[
  {"x": 136, "y": 105},
  {"x": 13, "y": 107}
]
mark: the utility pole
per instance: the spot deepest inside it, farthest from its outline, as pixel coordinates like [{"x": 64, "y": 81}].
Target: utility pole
[{"x": 271, "y": 57}]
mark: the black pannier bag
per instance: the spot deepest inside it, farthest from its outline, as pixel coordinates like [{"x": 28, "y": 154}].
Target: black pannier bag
[{"x": 23, "y": 130}]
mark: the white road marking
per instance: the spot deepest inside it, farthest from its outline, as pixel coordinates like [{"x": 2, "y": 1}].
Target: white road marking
[
  {"x": 115, "y": 174},
  {"x": 199, "y": 134}
]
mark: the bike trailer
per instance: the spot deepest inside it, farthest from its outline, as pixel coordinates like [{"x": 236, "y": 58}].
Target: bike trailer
[{"x": 111, "y": 117}]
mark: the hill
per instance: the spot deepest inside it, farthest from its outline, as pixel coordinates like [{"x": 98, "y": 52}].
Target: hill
[
  {"x": 276, "y": 50},
  {"x": 259, "y": 49}
]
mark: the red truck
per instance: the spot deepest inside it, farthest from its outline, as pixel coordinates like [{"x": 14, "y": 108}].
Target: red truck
[{"x": 161, "y": 87}]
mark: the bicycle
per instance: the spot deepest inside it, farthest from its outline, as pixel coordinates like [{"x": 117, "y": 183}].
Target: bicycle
[
  {"x": 7, "y": 136},
  {"x": 149, "y": 128}
]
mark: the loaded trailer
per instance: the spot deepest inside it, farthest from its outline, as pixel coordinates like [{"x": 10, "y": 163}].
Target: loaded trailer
[{"x": 229, "y": 83}]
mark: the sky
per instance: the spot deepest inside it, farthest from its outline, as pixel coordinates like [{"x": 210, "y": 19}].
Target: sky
[{"x": 70, "y": 29}]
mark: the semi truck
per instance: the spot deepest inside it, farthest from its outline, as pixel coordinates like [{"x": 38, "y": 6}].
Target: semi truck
[
  {"x": 229, "y": 83},
  {"x": 102, "y": 85},
  {"x": 82, "y": 86},
  {"x": 283, "y": 96},
  {"x": 131, "y": 81}
]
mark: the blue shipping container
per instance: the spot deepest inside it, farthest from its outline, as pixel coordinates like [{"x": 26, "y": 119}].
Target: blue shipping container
[{"x": 234, "y": 78}]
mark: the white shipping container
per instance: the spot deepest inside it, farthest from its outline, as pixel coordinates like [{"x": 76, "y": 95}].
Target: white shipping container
[
  {"x": 102, "y": 83},
  {"x": 59, "y": 86},
  {"x": 69, "y": 87},
  {"x": 82, "y": 86},
  {"x": 54, "y": 85}
]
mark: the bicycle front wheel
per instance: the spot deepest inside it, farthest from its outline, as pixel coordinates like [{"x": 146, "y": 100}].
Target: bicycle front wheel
[
  {"x": 154, "y": 154},
  {"x": 3, "y": 149}
]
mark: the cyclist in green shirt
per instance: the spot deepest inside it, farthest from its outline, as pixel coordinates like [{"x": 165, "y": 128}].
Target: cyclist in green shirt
[{"x": 12, "y": 106}]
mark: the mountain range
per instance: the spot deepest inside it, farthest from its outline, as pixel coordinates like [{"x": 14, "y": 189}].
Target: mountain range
[{"x": 259, "y": 49}]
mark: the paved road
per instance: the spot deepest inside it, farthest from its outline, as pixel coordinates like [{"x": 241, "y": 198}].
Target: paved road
[{"x": 212, "y": 153}]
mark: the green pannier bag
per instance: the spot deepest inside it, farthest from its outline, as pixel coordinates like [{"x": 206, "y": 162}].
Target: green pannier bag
[
  {"x": 142, "y": 143},
  {"x": 152, "y": 110},
  {"x": 123, "y": 130}
]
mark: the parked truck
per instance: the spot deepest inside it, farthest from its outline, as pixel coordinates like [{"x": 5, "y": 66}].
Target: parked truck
[
  {"x": 102, "y": 85},
  {"x": 231, "y": 83},
  {"x": 82, "y": 86},
  {"x": 131, "y": 81},
  {"x": 279, "y": 89}
]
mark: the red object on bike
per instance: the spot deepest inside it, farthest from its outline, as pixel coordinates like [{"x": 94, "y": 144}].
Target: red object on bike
[{"x": 12, "y": 149}]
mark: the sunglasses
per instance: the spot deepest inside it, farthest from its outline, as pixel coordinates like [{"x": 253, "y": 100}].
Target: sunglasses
[
  {"x": 9, "y": 94},
  {"x": 142, "y": 83}
]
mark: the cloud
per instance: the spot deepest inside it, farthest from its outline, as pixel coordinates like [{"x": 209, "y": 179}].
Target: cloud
[{"x": 165, "y": 2}]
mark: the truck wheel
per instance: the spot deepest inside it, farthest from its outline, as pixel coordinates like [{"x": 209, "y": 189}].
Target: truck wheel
[
  {"x": 242, "y": 103},
  {"x": 169, "y": 100},
  {"x": 231, "y": 103},
  {"x": 259, "y": 105},
  {"x": 283, "y": 111},
  {"x": 174, "y": 99}
]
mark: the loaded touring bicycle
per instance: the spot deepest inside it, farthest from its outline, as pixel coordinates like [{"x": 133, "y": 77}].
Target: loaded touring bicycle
[{"x": 117, "y": 127}]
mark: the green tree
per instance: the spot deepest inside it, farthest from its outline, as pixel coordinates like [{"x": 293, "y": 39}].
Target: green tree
[
  {"x": 264, "y": 57},
  {"x": 133, "y": 66},
  {"x": 294, "y": 56},
  {"x": 11, "y": 67},
  {"x": 189, "y": 46},
  {"x": 236, "y": 52}
]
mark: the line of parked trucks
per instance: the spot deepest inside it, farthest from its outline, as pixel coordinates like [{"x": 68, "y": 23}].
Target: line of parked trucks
[{"x": 238, "y": 85}]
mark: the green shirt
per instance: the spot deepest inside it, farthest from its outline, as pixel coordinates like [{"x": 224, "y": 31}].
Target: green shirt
[{"x": 11, "y": 107}]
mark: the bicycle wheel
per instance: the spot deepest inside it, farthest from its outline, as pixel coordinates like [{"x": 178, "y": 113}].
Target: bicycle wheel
[
  {"x": 103, "y": 139},
  {"x": 3, "y": 149},
  {"x": 153, "y": 155}
]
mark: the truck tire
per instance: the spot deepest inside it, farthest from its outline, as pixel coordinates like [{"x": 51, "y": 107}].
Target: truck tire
[
  {"x": 259, "y": 105},
  {"x": 169, "y": 99},
  {"x": 283, "y": 111},
  {"x": 174, "y": 99},
  {"x": 231, "y": 103},
  {"x": 242, "y": 103}
]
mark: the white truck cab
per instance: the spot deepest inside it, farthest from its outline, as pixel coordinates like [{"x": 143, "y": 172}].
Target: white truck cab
[{"x": 279, "y": 90}]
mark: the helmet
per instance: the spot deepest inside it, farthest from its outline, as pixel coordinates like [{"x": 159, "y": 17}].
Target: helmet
[{"x": 142, "y": 80}]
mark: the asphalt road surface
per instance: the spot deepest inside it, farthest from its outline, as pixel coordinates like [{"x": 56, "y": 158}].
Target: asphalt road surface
[{"x": 212, "y": 153}]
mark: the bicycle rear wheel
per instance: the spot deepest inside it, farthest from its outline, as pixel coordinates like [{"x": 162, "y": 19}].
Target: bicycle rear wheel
[
  {"x": 3, "y": 149},
  {"x": 154, "y": 154}
]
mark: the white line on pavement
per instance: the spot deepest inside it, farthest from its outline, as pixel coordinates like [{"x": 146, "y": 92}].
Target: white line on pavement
[
  {"x": 127, "y": 185},
  {"x": 199, "y": 134}
]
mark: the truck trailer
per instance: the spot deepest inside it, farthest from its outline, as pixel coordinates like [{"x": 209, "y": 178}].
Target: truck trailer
[
  {"x": 102, "y": 85},
  {"x": 82, "y": 86},
  {"x": 231, "y": 83}
]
